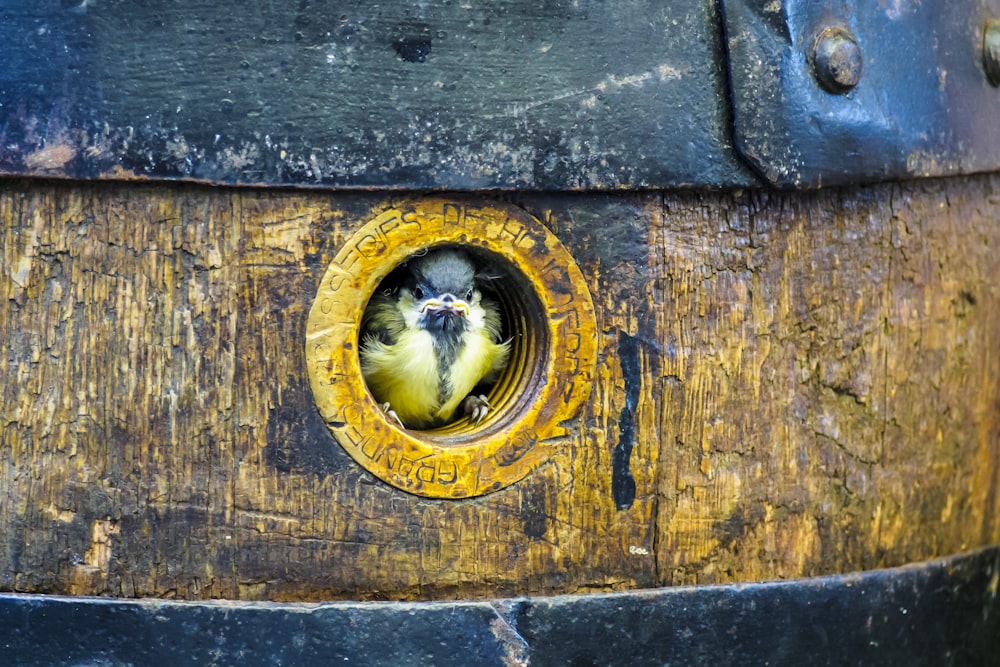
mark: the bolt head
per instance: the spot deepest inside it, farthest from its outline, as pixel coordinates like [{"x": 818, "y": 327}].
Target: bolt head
[
  {"x": 991, "y": 51},
  {"x": 837, "y": 60}
]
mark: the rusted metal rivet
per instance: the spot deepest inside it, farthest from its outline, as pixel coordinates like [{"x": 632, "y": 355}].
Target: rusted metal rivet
[
  {"x": 837, "y": 60},
  {"x": 991, "y": 51}
]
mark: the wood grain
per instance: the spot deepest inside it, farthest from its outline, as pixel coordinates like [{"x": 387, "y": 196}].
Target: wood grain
[{"x": 810, "y": 380}]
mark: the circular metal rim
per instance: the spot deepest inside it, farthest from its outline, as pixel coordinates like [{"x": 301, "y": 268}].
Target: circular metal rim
[{"x": 512, "y": 442}]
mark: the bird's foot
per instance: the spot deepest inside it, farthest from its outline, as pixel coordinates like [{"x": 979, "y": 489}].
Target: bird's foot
[
  {"x": 391, "y": 414},
  {"x": 476, "y": 407}
]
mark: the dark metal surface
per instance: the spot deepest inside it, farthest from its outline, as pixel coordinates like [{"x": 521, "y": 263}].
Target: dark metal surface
[
  {"x": 944, "y": 612},
  {"x": 923, "y": 105},
  {"x": 512, "y": 94},
  {"x": 507, "y": 94}
]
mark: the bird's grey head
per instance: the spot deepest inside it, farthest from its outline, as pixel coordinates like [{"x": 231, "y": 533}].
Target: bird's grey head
[
  {"x": 447, "y": 271},
  {"x": 443, "y": 286}
]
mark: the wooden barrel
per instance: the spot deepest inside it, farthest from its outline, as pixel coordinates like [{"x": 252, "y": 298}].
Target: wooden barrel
[
  {"x": 747, "y": 273},
  {"x": 786, "y": 385}
]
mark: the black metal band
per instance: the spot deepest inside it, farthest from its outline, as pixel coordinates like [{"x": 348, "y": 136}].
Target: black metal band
[
  {"x": 935, "y": 613},
  {"x": 514, "y": 95}
]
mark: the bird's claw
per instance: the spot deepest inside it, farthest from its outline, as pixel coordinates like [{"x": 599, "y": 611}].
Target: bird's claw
[
  {"x": 391, "y": 414},
  {"x": 476, "y": 407}
]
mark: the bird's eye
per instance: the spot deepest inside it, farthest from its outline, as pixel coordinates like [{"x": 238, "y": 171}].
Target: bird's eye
[
  {"x": 468, "y": 295},
  {"x": 417, "y": 292}
]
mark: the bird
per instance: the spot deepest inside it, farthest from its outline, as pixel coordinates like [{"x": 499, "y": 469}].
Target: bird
[{"x": 431, "y": 339}]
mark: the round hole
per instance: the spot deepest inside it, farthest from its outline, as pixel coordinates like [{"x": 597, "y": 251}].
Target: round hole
[
  {"x": 523, "y": 326},
  {"x": 546, "y": 312}
]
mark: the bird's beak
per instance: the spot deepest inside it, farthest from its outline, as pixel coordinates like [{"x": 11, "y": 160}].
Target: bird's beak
[{"x": 437, "y": 305}]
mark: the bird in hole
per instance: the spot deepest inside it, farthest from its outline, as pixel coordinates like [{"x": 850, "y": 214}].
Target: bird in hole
[{"x": 431, "y": 341}]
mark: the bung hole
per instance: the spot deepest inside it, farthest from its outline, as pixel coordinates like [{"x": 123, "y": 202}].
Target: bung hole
[{"x": 523, "y": 323}]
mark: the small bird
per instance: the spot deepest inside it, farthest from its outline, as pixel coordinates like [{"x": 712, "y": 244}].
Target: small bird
[{"x": 431, "y": 341}]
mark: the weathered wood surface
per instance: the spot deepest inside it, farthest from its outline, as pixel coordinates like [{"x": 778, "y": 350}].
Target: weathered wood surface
[
  {"x": 505, "y": 94},
  {"x": 815, "y": 381}
]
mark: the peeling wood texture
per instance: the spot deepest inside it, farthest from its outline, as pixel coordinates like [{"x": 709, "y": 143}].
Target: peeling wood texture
[{"x": 795, "y": 383}]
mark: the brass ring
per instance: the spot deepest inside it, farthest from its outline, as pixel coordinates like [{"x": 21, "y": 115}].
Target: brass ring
[{"x": 536, "y": 400}]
